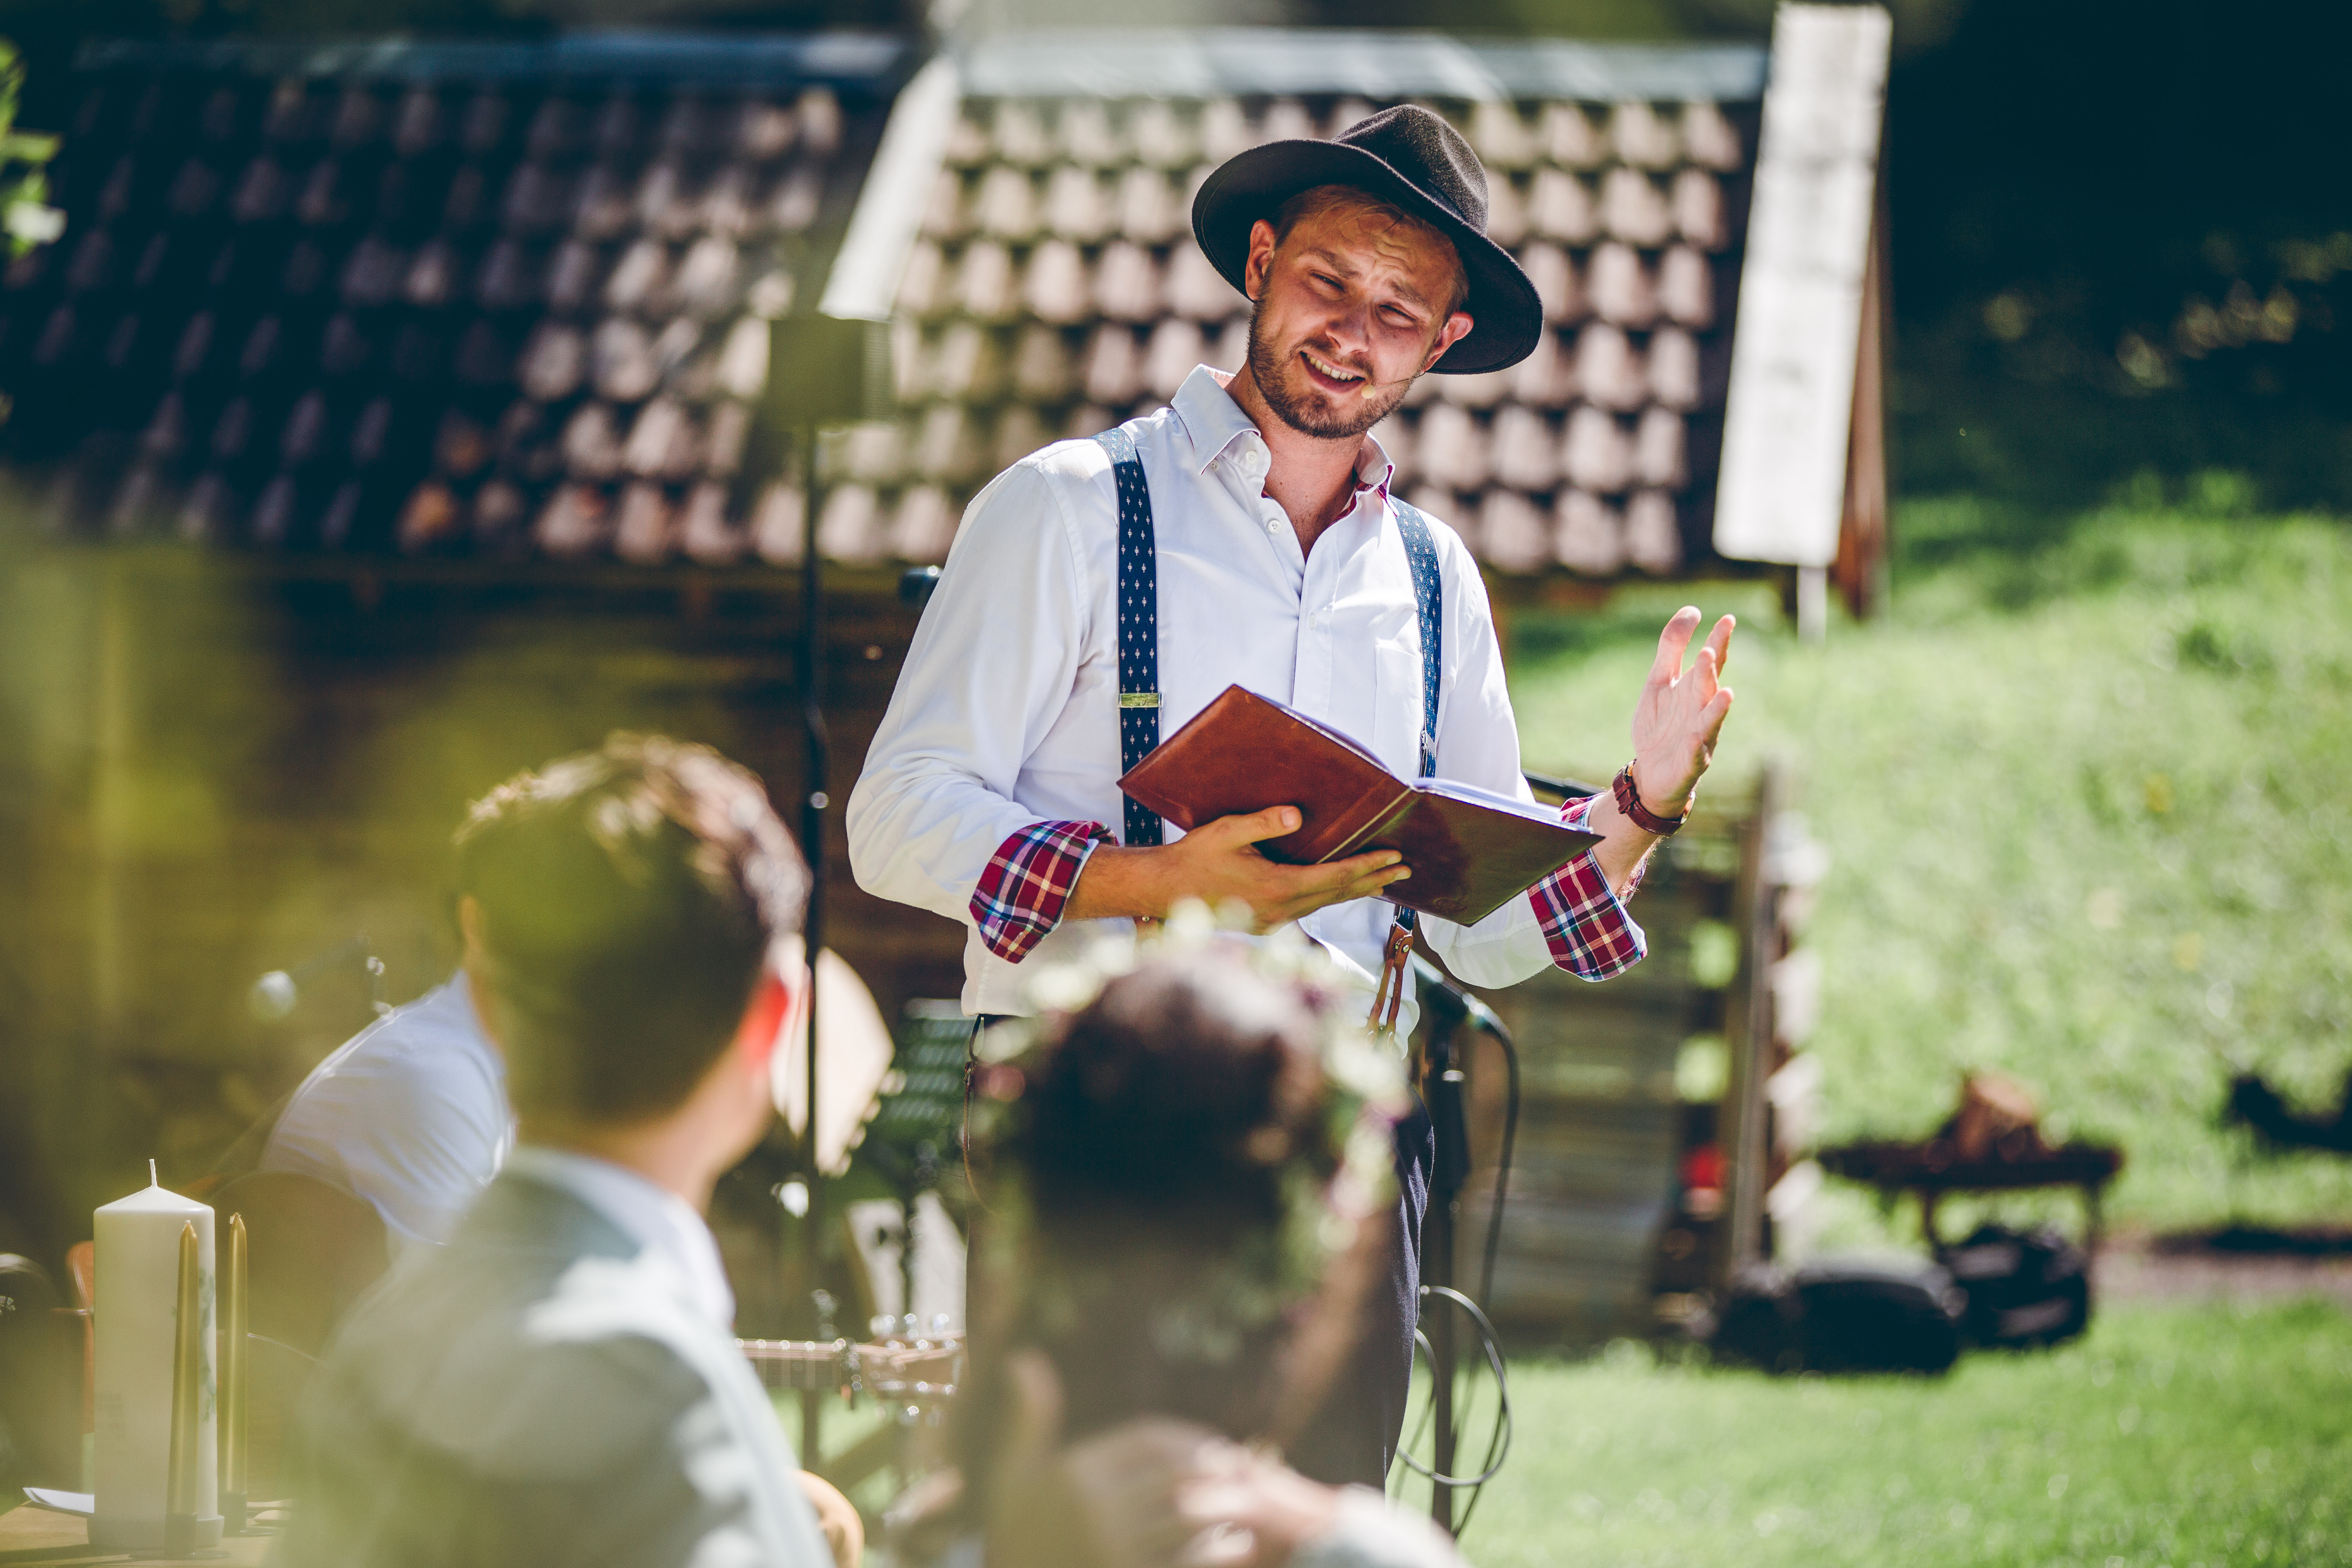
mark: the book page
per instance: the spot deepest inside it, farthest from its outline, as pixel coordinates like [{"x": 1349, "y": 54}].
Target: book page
[{"x": 1454, "y": 789}]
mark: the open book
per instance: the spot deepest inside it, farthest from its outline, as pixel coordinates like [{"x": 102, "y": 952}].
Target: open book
[{"x": 1470, "y": 850}]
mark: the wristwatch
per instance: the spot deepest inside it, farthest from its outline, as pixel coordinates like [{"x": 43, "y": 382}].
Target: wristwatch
[{"x": 1629, "y": 801}]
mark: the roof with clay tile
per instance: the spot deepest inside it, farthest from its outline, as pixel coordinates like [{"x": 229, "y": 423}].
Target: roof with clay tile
[
  {"x": 1055, "y": 287},
  {"x": 509, "y": 300},
  {"x": 501, "y": 301}
]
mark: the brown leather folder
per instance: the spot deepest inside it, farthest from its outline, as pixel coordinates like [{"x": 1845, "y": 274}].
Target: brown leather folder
[{"x": 1471, "y": 850}]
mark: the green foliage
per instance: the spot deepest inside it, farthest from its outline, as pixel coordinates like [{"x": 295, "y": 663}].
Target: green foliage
[
  {"x": 2170, "y": 1435},
  {"x": 26, "y": 216},
  {"x": 2084, "y": 786}
]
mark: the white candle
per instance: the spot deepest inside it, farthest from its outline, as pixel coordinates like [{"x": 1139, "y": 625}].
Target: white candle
[{"x": 138, "y": 1297}]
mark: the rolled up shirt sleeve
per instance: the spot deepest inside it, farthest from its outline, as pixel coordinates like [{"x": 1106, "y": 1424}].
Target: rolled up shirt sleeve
[
  {"x": 1584, "y": 922},
  {"x": 1027, "y": 883},
  {"x": 935, "y": 814}
]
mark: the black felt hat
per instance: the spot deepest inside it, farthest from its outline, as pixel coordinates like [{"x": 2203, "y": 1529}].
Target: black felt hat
[{"x": 1410, "y": 157}]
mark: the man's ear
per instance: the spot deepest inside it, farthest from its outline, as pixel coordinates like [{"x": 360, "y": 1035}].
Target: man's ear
[
  {"x": 469, "y": 926},
  {"x": 476, "y": 962},
  {"x": 775, "y": 1003},
  {"x": 1260, "y": 262},
  {"x": 1457, "y": 327}
]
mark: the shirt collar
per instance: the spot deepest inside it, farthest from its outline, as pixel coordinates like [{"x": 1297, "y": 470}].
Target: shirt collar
[
  {"x": 1216, "y": 423},
  {"x": 654, "y": 1218}
]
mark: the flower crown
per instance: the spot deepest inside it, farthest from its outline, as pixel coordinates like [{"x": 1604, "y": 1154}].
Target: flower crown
[{"x": 1263, "y": 1275}]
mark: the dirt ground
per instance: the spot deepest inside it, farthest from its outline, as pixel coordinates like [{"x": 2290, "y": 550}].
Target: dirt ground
[{"x": 2145, "y": 1267}]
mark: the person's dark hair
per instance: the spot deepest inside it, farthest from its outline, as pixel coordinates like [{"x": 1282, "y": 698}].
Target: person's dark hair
[
  {"x": 1172, "y": 1146},
  {"x": 629, "y": 897},
  {"x": 1183, "y": 1094}
]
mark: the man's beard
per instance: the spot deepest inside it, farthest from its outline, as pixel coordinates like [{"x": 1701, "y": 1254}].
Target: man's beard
[{"x": 1271, "y": 369}]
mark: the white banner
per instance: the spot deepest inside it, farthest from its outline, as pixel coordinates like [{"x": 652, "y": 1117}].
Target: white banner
[{"x": 1782, "y": 487}]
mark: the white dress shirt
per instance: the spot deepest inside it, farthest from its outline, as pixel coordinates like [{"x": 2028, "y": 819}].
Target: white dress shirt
[
  {"x": 410, "y": 1114},
  {"x": 653, "y": 1216},
  {"x": 1006, "y": 712}
]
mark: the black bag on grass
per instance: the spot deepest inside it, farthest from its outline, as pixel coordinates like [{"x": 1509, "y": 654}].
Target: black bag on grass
[
  {"x": 1843, "y": 1316},
  {"x": 2024, "y": 1287},
  {"x": 1760, "y": 1321}
]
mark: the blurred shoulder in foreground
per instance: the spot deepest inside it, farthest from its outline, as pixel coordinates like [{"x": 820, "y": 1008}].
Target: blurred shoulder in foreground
[{"x": 543, "y": 1391}]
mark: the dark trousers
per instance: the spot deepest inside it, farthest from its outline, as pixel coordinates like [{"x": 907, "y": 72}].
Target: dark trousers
[{"x": 1354, "y": 1437}]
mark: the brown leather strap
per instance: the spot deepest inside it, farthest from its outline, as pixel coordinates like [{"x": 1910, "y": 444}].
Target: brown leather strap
[
  {"x": 1387, "y": 1002},
  {"x": 1629, "y": 801}
]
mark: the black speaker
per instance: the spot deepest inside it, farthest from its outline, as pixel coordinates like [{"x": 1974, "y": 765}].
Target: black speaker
[
  {"x": 2024, "y": 1287},
  {"x": 1843, "y": 1316}
]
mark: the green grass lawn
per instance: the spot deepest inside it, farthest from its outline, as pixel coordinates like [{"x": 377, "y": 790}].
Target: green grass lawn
[
  {"x": 2179, "y": 1436},
  {"x": 2088, "y": 786}
]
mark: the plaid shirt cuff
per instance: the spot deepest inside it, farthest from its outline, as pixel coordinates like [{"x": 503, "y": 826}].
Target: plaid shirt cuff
[
  {"x": 1584, "y": 924},
  {"x": 1028, "y": 881}
]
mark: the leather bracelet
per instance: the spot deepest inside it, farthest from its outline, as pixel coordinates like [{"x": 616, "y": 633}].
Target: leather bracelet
[{"x": 1629, "y": 801}]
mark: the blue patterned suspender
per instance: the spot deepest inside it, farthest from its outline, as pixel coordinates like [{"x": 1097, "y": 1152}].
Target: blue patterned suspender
[
  {"x": 1139, "y": 625},
  {"x": 1138, "y": 667}
]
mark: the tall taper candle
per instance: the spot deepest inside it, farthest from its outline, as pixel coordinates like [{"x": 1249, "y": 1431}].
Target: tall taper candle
[
  {"x": 138, "y": 1299},
  {"x": 232, "y": 1381},
  {"x": 189, "y": 1331}
]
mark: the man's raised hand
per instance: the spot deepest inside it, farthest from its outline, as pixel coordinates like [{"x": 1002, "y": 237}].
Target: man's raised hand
[{"x": 1680, "y": 713}]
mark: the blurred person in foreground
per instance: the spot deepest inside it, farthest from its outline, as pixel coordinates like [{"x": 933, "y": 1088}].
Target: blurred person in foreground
[
  {"x": 409, "y": 1115},
  {"x": 560, "y": 1384},
  {"x": 1185, "y": 1177},
  {"x": 1279, "y": 561}
]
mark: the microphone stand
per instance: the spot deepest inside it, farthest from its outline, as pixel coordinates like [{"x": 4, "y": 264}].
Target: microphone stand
[
  {"x": 1442, "y": 1083},
  {"x": 822, "y": 370},
  {"x": 1447, "y": 1007},
  {"x": 272, "y": 998},
  {"x": 814, "y": 799}
]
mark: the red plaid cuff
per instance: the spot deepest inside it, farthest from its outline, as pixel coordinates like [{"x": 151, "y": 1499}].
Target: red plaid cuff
[
  {"x": 1584, "y": 924},
  {"x": 1574, "y": 813},
  {"x": 1027, "y": 881}
]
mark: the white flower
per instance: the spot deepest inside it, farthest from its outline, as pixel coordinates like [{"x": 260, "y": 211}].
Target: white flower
[{"x": 33, "y": 223}]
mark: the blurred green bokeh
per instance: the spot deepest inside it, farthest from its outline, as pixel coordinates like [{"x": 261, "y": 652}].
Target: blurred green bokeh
[{"x": 2083, "y": 787}]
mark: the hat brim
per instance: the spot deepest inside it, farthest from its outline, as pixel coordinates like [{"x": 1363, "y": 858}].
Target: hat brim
[{"x": 1507, "y": 314}]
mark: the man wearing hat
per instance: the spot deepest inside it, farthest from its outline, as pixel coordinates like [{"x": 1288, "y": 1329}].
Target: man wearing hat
[{"x": 1100, "y": 593}]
